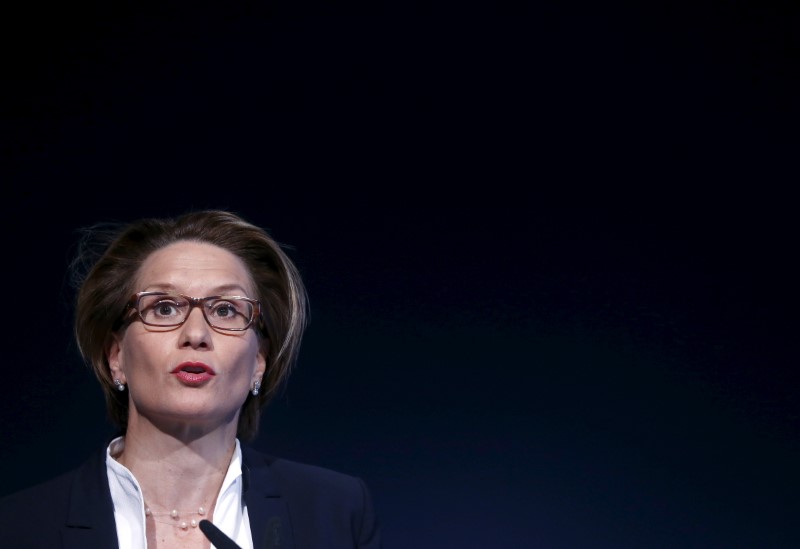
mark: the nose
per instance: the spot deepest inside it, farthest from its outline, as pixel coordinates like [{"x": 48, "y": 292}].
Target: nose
[{"x": 195, "y": 331}]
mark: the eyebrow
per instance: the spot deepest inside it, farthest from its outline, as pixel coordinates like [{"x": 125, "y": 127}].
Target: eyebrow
[{"x": 225, "y": 289}]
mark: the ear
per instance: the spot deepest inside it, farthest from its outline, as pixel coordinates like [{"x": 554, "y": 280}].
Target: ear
[
  {"x": 113, "y": 353},
  {"x": 261, "y": 361}
]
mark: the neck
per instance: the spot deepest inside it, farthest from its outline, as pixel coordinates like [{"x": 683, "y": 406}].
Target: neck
[{"x": 181, "y": 470}]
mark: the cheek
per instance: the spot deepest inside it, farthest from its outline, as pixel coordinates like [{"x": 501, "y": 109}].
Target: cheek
[
  {"x": 249, "y": 356},
  {"x": 138, "y": 354},
  {"x": 247, "y": 360}
]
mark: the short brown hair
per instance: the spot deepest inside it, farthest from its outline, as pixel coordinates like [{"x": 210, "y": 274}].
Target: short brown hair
[{"x": 105, "y": 268}]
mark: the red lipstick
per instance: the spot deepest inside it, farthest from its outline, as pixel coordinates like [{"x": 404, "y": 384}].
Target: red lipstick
[{"x": 193, "y": 373}]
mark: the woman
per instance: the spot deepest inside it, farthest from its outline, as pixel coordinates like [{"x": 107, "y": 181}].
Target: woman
[{"x": 191, "y": 325}]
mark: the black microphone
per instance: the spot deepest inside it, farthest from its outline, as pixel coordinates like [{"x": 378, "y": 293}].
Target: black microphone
[{"x": 216, "y": 536}]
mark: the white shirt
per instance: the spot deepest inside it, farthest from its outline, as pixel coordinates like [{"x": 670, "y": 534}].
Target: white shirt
[{"x": 230, "y": 512}]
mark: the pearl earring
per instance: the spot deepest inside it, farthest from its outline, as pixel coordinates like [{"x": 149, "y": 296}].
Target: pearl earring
[
  {"x": 256, "y": 388},
  {"x": 120, "y": 386}
]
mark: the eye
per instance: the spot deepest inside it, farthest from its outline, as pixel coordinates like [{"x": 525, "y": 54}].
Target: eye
[
  {"x": 223, "y": 309},
  {"x": 165, "y": 308}
]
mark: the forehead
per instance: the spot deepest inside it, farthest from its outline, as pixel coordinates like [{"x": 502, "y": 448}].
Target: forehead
[{"x": 194, "y": 268}]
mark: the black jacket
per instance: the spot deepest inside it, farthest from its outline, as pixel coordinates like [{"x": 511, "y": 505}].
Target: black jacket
[{"x": 290, "y": 506}]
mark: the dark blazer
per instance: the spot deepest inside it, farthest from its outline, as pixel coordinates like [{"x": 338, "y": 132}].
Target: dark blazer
[{"x": 290, "y": 506}]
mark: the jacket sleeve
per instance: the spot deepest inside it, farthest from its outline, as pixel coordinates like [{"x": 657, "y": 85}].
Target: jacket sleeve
[{"x": 369, "y": 534}]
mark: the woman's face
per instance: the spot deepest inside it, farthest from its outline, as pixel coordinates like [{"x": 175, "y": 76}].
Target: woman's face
[{"x": 191, "y": 375}]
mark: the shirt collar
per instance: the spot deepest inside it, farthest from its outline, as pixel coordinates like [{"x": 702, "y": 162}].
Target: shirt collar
[{"x": 128, "y": 501}]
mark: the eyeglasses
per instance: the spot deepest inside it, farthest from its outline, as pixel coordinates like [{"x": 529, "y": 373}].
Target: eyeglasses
[{"x": 224, "y": 312}]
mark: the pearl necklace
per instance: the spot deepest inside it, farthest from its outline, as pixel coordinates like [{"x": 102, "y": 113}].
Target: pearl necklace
[{"x": 176, "y": 517}]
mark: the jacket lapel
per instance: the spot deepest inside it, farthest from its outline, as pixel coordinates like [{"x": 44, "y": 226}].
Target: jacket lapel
[
  {"x": 270, "y": 525},
  {"x": 90, "y": 514}
]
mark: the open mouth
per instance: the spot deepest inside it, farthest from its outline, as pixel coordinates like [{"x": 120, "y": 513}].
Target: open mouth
[
  {"x": 194, "y": 368},
  {"x": 193, "y": 373}
]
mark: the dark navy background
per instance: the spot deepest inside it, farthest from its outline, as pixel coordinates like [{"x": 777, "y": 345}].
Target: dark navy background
[{"x": 550, "y": 250}]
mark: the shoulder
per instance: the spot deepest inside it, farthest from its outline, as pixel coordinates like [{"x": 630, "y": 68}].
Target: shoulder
[
  {"x": 43, "y": 494},
  {"x": 33, "y": 516},
  {"x": 325, "y": 505},
  {"x": 79, "y": 497},
  {"x": 296, "y": 479}
]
